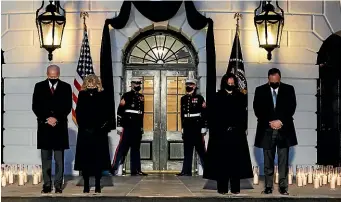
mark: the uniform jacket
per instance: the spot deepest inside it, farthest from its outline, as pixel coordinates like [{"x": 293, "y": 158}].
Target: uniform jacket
[
  {"x": 193, "y": 104},
  {"x": 131, "y": 101},
  {"x": 265, "y": 112},
  {"x": 57, "y": 105}
]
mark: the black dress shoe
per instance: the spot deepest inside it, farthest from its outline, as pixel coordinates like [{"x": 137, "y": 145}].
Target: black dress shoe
[
  {"x": 140, "y": 173},
  {"x": 267, "y": 191},
  {"x": 283, "y": 191},
  {"x": 46, "y": 190},
  {"x": 184, "y": 174},
  {"x": 86, "y": 190},
  {"x": 58, "y": 191},
  {"x": 98, "y": 190}
]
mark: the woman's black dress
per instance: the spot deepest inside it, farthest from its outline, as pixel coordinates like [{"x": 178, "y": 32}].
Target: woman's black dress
[
  {"x": 92, "y": 150},
  {"x": 228, "y": 152}
]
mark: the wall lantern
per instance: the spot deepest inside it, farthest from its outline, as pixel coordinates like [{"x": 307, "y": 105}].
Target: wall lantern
[
  {"x": 50, "y": 26},
  {"x": 269, "y": 26}
]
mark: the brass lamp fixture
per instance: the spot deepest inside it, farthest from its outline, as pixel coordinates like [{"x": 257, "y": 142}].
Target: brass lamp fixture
[
  {"x": 50, "y": 25},
  {"x": 269, "y": 25}
]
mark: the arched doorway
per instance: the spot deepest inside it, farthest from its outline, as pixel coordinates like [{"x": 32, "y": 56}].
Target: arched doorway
[
  {"x": 329, "y": 102},
  {"x": 163, "y": 59}
]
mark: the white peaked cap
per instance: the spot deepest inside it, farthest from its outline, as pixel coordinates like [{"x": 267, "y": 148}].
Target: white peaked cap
[
  {"x": 136, "y": 80},
  {"x": 191, "y": 81}
]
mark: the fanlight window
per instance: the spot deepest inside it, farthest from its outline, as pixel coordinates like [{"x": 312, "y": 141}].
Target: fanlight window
[{"x": 160, "y": 48}]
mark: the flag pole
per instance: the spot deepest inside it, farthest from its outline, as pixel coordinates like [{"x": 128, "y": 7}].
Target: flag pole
[
  {"x": 238, "y": 16},
  {"x": 84, "y": 15}
]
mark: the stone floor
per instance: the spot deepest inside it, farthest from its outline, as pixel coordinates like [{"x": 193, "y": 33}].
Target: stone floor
[{"x": 164, "y": 186}]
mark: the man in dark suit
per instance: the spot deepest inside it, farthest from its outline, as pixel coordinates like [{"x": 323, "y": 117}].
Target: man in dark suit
[
  {"x": 51, "y": 103},
  {"x": 274, "y": 105}
]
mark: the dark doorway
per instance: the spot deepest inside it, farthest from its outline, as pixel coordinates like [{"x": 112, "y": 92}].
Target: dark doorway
[{"x": 329, "y": 102}]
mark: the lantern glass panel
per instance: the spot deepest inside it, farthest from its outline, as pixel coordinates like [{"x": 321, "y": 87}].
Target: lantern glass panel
[
  {"x": 272, "y": 30},
  {"x": 49, "y": 37}
]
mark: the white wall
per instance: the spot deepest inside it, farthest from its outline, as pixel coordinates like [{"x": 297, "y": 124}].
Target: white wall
[{"x": 307, "y": 24}]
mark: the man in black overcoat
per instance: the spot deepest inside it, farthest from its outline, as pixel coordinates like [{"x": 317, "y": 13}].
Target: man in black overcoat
[
  {"x": 51, "y": 103},
  {"x": 274, "y": 105}
]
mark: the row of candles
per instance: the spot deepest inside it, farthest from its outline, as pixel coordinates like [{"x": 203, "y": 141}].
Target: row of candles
[
  {"x": 12, "y": 174},
  {"x": 317, "y": 175}
]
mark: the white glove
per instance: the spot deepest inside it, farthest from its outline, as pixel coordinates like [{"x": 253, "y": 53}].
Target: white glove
[
  {"x": 203, "y": 131},
  {"x": 119, "y": 130}
]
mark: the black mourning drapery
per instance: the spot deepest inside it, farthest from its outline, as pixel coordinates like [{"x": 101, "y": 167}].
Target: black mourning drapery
[{"x": 158, "y": 11}]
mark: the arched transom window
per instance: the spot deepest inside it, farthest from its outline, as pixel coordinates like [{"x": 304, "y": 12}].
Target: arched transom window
[{"x": 160, "y": 48}]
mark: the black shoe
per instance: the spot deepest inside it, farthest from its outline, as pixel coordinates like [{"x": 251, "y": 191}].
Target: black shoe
[
  {"x": 235, "y": 192},
  {"x": 184, "y": 174},
  {"x": 222, "y": 193},
  {"x": 46, "y": 190},
  {"x": 98, "y": 190},
  {"x": 283, "y": 191},
  {"x": 86, "y": 189},
  {"x": 58, "y": 191},
  {"x": 139, "y": 173},
  {"x": 267, "y": 190}
]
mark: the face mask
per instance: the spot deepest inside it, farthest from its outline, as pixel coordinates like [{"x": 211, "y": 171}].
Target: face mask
[
  {"x": 229, "y": 87},
  {"x": 137, "y": 88},
  {"x": 92, "y": 90},
  {"x": 189, "y": 89},
  {"x": 53, "y": 81},
  {"x": 274, "y": 85}
]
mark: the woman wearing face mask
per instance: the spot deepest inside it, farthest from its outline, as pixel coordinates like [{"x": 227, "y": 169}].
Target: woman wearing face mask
[
  {"x": 92, "y": 151},
  {"x": 228, "y": 157}
]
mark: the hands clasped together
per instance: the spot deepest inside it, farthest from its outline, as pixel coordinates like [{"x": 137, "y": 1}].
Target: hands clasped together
[
  {"x": 276, "y": 124},
  {"x": 51, "y": 121}
]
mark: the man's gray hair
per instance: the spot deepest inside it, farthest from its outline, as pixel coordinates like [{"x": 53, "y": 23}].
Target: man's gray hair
[{"x": 52, "y": 67}]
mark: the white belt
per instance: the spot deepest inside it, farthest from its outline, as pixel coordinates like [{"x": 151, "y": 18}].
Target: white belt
[
  {"x": 193, "y": 115},
  {"x": 133, "y": 111}
]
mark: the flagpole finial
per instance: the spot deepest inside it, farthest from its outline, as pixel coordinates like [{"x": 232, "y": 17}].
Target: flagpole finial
[
  {"x": 238, "y": 16},
  {"x": 84, "y": 15}
]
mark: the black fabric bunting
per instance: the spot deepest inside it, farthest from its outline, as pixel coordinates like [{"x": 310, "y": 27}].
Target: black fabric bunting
[{"x": 158, "y": 11}]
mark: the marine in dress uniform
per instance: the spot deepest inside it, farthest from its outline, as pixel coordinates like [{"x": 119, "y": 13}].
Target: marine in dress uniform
[
  {"x": 130, "y": 128},
  {"x": 194, "y": 126}
]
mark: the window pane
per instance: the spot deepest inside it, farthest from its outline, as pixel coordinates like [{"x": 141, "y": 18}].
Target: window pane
[
  {"x": 143, "y": 45},
  {"x": 179, "y": 103},
  {"x": 171, "y": 103},
  {"x": 148, "y": 85},
  {"x": 134, "y": 59},
  {"x": 171, "y": 85},
  {"x": 151, "y": 41},
  {"x": 160, "y": 39},
  {"x": 148, "y": 103},
  {"x": 169, "y": 41},
  {"x": 177, "y": 46},
  {"x": 181, "y": 85},
  {"x": 148, "y": 122},
  {"x": 179, "y": 122},
  {"x": 171, "y": 122},
  {"x": 137, "y": 52}
]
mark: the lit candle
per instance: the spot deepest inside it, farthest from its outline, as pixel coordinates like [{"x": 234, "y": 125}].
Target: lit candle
[
  {"x": 329, "y": 177},
  {"x": 332, "y": 182},
  {"x": 320, "y": 177},
  {"x": 255, "y": 179},
  {"x": 299, "y": 181},
  {"x": 310, "y": 178},
  {"x": 21, "y": 178},
  {"x": 338, "y": 180},
  {"x": 316, "y": 182},
  {"x": 10, "y": 178},
  {"x": 3, "y": 181},
  {"x": 324, "y": 179},
  {"x": 35, "y": 179},
  {"x": 289, "y": 178},
  {"x": 304, "y": 178}
]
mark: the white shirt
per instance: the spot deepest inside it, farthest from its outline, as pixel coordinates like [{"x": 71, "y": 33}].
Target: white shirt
[
  {"x": 272, "y": 90},
  {"x": 54, "y": 86}
]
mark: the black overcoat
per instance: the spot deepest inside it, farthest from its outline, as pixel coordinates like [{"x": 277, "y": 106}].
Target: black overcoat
[
  {"x": 92, "y": 150},
  {"x": 57, "y": 105},
  {"x": 228, "y": 151},
  {"x": 285, "y": 109}
]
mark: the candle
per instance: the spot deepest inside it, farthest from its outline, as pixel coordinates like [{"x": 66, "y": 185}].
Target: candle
[
  {"x": 276, "y": 177},
  {"x": 332, "y": 182},
  {"x": 320, "y": 181},
  {"x": 316, "y": 183},
  {"x": 299, "y": 181},
  {"x": 25, "y": 174},
  {"x": 10, "y": 178},
  {"x": 324, "y": 179},
  {"x": 310, "y": 178},
  {"x": 3, "y": 181},
  {"x": 338, "y": 180},
  {"x": 35, "y": 179},
  {"x": 21, "y": 178},
  {"x": 304, "y": 179},
  {"x": 255, "y": 179},
  {"x": 329, "y": 177},
  {"x": 7, "y": 174},
  {"x": 289, "y": 178}
]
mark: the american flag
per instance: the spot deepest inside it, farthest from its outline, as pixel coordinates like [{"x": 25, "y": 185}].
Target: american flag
[{"x": 84, "y": 68}]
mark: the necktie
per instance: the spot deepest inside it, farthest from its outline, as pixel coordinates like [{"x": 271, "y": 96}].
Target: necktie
[
  {"x": 274, "y": 97},
  {"x": 52, "y": 90}
]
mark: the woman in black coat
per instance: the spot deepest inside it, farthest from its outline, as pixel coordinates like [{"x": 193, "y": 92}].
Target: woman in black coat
[
  {"x": 228, "y": 156},
  {"x": 92, "y": 151}
]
